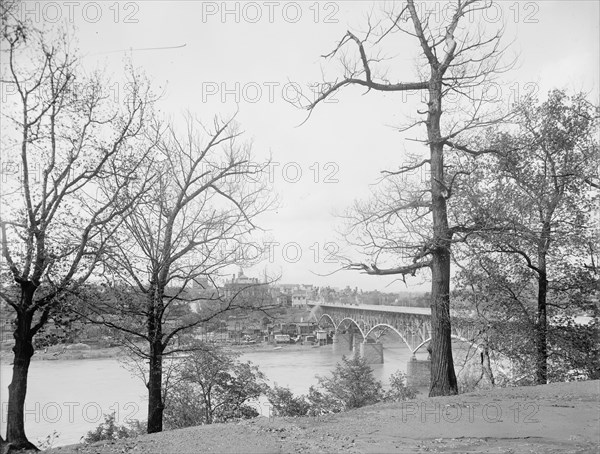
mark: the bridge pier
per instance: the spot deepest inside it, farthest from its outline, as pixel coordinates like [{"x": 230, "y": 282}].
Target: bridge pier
[
  {"x": 357, "y": 340},
  {"x": 418, "y": 373},
  {"x": 372, "y": 352},
  {"x": 342, "y": 342}
]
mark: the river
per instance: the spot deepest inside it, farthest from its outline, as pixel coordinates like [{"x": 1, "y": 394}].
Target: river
[{"x": 69, "y": 397}]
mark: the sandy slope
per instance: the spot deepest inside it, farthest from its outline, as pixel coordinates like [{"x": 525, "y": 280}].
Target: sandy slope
[{"x": 561, "y": 417}]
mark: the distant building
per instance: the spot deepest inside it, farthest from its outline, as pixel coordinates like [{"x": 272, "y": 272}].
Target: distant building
[
  {"x": 299, "y": 299},
  {"x": 282, "y": 299},
  {"x": 246, "y": 289}
]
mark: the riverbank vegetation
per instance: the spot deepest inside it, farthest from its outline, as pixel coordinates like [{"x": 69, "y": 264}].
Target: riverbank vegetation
[
  {"x": 351, "y": 385},
  {"x": 211, "y": 386}
]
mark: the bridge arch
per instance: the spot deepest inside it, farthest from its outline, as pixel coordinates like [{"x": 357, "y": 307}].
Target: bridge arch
[
  {"x": 355, "y": 324},
  {"x": 385, "y": 325},
  {"x": 330, "y": 319}
]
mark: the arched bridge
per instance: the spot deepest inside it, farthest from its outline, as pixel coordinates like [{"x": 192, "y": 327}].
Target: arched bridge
[{"x": 411, "y": 324}]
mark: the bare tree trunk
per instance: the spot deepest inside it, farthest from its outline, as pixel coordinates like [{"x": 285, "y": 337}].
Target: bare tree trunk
[
  {"x": 209, "y": 416},
  {"x": 17, "y": 390},
  {"x": 541, "y": 325},
  {"x": 443, "y": 377},
  {"x": 155, "y": 400},
  {"x": 486, "y": 365},
  {"x": 541, "y": 332}
]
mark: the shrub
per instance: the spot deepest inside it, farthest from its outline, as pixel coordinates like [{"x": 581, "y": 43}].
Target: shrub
[
  {"x": 399, "y": 391},
  {"x": 322, "y": 403},
  {"x": 284, "y": 403},
  {"x": 352, "y": 384},
  {"x": 48, "y": 442},
  {"x": 110, "y": 430}
]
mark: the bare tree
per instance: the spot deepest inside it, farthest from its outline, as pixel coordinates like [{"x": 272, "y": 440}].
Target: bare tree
[
  {"x": 9, "y": 18},
  {"x": 65, "y": 143},
  {"x": 457, "y": 61},
  {"x": 191, "y": 225}
]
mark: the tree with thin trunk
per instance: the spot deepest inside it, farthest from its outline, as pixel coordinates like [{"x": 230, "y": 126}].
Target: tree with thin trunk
[
  {"x": 213, "y": 386},
  {"x": 70, "y": 153},
  {"x": 410, "y": 225},
  {"x": 542, "y": 185},
  {"x": 180, "y": 237}
]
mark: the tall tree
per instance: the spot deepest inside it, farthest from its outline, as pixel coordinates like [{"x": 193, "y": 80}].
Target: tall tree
[
  {"x": 182, "y": 234},
  {"x": 69, "y": 155},
  {"x": 541, "y": 185},
  {"x": 457, "y": 61}
]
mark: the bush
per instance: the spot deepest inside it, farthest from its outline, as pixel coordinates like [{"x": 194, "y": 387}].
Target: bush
[
  {"x": 322, "y": 403},
  {"x": 352, "y": 384},
  {"x": 284, "y": 403},
  {"x": 183, "y": 408},
  {"x": 48, "y": 442},
  {"x": 110, "y": 430},
  {"x": 398, "y": 391}
]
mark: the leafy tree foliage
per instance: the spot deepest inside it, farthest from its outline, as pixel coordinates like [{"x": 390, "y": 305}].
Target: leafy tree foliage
[
  {"x": 110, "y": 430},
  {"x": 399, "y": 391},
  {"x": 351, "y": 385},
  {"x": 213, "y": 386},
  {"x": 531, "y": 268},
  {"x": 284, "y": 403}
]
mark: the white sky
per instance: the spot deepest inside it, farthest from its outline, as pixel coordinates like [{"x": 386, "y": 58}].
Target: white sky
[{"x": 558, "y": 43}]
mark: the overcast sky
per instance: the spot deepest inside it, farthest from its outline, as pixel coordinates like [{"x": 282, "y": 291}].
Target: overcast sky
[{"x": 212, "y": 62}]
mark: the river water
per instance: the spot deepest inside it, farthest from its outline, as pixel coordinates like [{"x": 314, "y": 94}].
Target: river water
[{"x": 69, "y": 397}]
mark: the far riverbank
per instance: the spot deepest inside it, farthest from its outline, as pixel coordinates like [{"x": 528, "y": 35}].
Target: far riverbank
[{"x": 82, "y": 351}]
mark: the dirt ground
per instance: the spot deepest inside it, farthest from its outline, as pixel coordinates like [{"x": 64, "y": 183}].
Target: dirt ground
[{"x": 555, "y": 418}]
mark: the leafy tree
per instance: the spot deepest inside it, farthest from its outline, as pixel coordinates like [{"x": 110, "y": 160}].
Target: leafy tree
[
  {"x": 574, "y": 350},
  {"x": 351, "y": 384},
  {"x": 533, "y": 268},
  {"x": 284, "y": 403},
  {"x": 213, "y": 387},
  {"x": 322, "y": 403},
  {"x": 399, "y": 391},
  {"x": 405, "y": 226}
]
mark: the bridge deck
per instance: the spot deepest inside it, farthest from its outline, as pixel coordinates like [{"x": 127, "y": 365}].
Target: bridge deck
[{"x": 375, "y": 308}]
